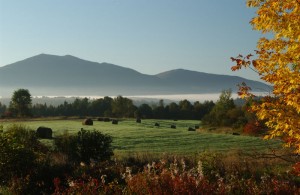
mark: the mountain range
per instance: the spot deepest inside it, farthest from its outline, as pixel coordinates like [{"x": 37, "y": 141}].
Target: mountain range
[{"x": 52, "y": 75}]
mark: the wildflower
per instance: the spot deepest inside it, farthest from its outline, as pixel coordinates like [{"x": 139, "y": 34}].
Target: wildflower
[
  {"x": 128, "y": 172},
  {"x": 200, "y": 169},
  {"x": 123, "y": 175},
  {"x": 71, "y": 183},
  {"x": 153, "y": 164},
  {"x": 82, "y": 164},
  {"x": 183, "y": 165},
  {"x": 103, "y": 178},
  {"x": 163, "y": 162}
]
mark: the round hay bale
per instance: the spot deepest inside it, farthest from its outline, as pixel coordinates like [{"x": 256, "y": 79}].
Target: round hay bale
[
  {"x": 191, "y": 129},
  {"x": 44, "y": 133},
  {"x": 87, "y": 121},
  {"x": 115, "y": 122}
]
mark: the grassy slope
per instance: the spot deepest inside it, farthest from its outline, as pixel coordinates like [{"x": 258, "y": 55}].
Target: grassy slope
[{"x": 129, "y": 136}]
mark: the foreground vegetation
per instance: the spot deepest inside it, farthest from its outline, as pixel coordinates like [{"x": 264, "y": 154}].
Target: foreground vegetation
[{"x": 83, "y": 163}]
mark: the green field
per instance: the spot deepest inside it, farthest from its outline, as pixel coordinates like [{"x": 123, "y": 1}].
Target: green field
[{"x": 131, "y": 137}]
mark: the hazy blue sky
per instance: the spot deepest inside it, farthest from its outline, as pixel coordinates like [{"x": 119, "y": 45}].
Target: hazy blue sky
[{"x": 149, "y": 36}]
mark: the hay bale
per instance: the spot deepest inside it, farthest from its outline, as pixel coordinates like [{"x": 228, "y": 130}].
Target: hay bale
[
  {"x": 191, "y": 129},
  {"x": 138, "y": 120},
  {"x": 173, "y": 126},
  {"x": 115, "y": 122},
  {"x": 87, "y": 121},
  {"x": 44, "y": 133},
  {"x": 156, "y": 124}
]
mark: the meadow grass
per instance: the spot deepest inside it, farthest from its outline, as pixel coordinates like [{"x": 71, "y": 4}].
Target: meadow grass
[{"x": 131, "y": 137}]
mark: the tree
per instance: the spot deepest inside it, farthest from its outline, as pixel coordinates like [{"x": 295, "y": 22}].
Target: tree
[
  {"x": 174, "y": 111},
  {"x": 123, "y": 107},
  {"x": 159, "y": 110},
  {"x": 21, "y": 102},
  {"x": 201, "y": 109},
  {"x": 185, "y": 109},
  {"x": 80, "y": 106},
  {"x": 101, "y": 107},
  {"x": 219, "y": 115},
  {"x": 144, "y": 111},
  {"x": 2, "y": 109},
  {"x": 278, "y": 63}
]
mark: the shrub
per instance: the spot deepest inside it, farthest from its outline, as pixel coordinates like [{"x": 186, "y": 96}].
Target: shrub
[
  {"x": 85, "y": 146},
  {"x": 203, "y": 178},
  {"x": 253, "y": 128},
  {"x": 161, "y": 178},
  {"x": 20, "y": 151},
  {"x": 22, "y": 157},
  {"x": 171, "y": 176},
  {"x": 67, "y": 145},
  {"x": 88, "y": 186}
]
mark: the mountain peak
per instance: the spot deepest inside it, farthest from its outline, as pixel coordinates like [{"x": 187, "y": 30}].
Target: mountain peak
[
  {"x": 48, "y": 73},
  {"x": 70, "y": 57},
  {"x": 179, "y": 73},
  {"x": 44, "y": 55}
]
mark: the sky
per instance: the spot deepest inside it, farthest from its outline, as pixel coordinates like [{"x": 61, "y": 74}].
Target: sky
[{"x": 150, "y": 36}]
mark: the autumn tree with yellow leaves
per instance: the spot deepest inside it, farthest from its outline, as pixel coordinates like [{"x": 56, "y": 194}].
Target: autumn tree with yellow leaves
[{"x": 277, "y": 61}]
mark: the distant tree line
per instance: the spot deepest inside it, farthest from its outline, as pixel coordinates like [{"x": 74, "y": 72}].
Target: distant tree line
[
  {"x": 124, "y": 107},
  {"x": 21, "y": 106},
  {"x": 222, "y": 113}
]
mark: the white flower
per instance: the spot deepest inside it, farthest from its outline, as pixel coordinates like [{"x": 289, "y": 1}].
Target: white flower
[
  {"x": 82, "y": 164},
  {"x": 200, "y": 169},
  {"x": 71, "y": 183},
  {"x": 103, "y": 178}
]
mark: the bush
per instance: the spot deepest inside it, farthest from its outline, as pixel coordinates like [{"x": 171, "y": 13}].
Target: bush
[
  {"x": 86, "y": 146},
  {"x": 211, "y": 174},
  {"x": 22, "y": 157},
  {"x": 66, "y": 145},
  {"x": 253, "y": 128},
  {"x": 20, "y": 152}
]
